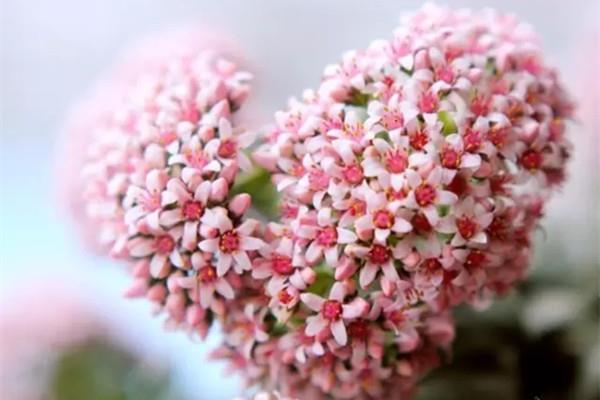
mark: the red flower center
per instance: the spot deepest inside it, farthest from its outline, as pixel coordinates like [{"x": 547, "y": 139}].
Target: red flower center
[
  {"x": 327, "y": 236},
  {"x": 480, "y": 105},
  {"x": 421, "y": 223},
  {"x": 449, "y": 276},
  {"x": 284, "y": 297},
  {"x": 396, "y": 317},
  {"x": 392, "y": 120},
  {"x": 467, "y": 227},
  {"x": 475, "y": 259},
  {"x": 332, "y": 310},
  {"x": 383, "y": 219},
  {"x": 450, "y": 158},
  {"x": 379, "y": 254},
  {"x": 445, "y": 74},
  {"x": 357, "y": 208},
  {"x": 358, "y": 329},
  {"x": 297, "y": 170},
  {"x": 195, "y": 159},
  {"x": 498, "y": 136},
  {"x": 192, "y": 210},
  {"x": 167, "y": 137},
  {"x": 229, "y": 242},
  {"x": 498, "y": 228},
  {"x": 227, "y": 149},
  {"x": 396, "y": 161},
  {"x": 318, "y": 180},
  {"x": 458, "y": 186},
  {"x": 472, "y": 140},
  {"x": 425, "y": 194},
  {"x": 282, "y": 264},
  {"x": 418, "y": 140},
  {"x": 353, "y": 174},
  {"x": 395, "y": 195},
  {"x": 432, "y": 264},
  {"x": 289, "y": 211},
  {"x": 207, "y": 274},
  {"x": 165, "y": 244},
  {"x": 531, "y": 160},
  {"x": 428, "y": 102}
]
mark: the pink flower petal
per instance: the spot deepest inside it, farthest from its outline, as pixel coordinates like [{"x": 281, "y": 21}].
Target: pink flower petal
[
  {"x": 390, "y": 271},
  {"x": 140, "y": 247},
  {"x": 338, "y": 330},
  {"x": 224, "y": 288},
  {"x": 338, "y": 292},
  {"x": 209, "y": 245},
  {"x": 158, "y": 265},
  {"x": 170, "y": 217},
  {"x": 367, "y": 274},
  {"x": 313, "y": 301},
  {"x": 315, "y": 325},
  {"x": 242, "y": 261},
  {"x": 206, "y": 296},
  {"x": 224, "y": 262},
  {"x": 355, "y": 309},
  {"x": 251, "y": 243},
  {"x": 346, "y": 236},
  {"x": 314, "y": 252}
]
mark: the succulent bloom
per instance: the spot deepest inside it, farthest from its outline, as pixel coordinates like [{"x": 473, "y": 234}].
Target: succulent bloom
[
  {"x": 411, "y": 180},
  {"x": 333, "y": 312},
  {"x": 229, "y": 243},
  {"x": 324, "y": 238},
  {"x": 206, "y": 281}
]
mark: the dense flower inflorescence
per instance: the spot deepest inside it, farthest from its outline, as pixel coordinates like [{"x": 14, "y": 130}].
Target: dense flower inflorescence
[
  {"x": 412, "y": 180},
  {"x": 157, "y": 182}
]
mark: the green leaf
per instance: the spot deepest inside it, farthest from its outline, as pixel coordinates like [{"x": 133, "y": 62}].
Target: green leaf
[
  {"x": 98, "y": 370},
  {"x": 390, "y": 354},
  {"x": 490, "y": 66},
  {"x": 257, "y": 183},
  {"x": 358, "y": 98},
  {"x": 449, "y": 126},
  {"x": 324, "y": 280},
  {"x": 443, "y": 210},
  {"x": 278, "y": 329},
  {"x": 383, "y": 135}
]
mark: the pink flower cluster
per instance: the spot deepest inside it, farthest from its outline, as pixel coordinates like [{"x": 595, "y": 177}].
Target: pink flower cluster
[
  {"x": 411, "y": 181},
  {"x": 157, "y": 182}
]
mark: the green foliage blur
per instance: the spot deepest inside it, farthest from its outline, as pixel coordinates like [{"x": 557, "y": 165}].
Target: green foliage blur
[{"x": 97, "y": 370}]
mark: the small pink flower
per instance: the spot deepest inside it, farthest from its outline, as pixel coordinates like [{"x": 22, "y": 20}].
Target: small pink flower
[
  {"x": 206, "y": 281},
  {"x": 140, "y": 202},
  {"x": 161, "y": 247},
  {"x": 388, "y": 160},
  {"x": 426, "y": 193},
  {"x": 230, "y": 244},
  {"x": 379, "y": 257},
  {"x": 281, "y": 266},
  {"x": 471, "y": 219},
  {"x": 227, "y": 146},
  {"x": 382, "y": 217},
  {"x": 190, "y": 201},
  {"x": 333, "y": 312},
  {"x": 325, "y": 238}
]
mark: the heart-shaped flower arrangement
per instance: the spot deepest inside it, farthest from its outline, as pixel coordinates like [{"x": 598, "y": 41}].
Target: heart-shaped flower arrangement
[{"x": 411, "y": 180}]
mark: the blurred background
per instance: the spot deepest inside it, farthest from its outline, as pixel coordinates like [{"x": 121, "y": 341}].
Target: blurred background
[{"x": 540, "y": 342}]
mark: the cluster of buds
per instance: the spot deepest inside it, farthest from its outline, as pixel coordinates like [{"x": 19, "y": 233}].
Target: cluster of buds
[{"x": 410, "y": 181}]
